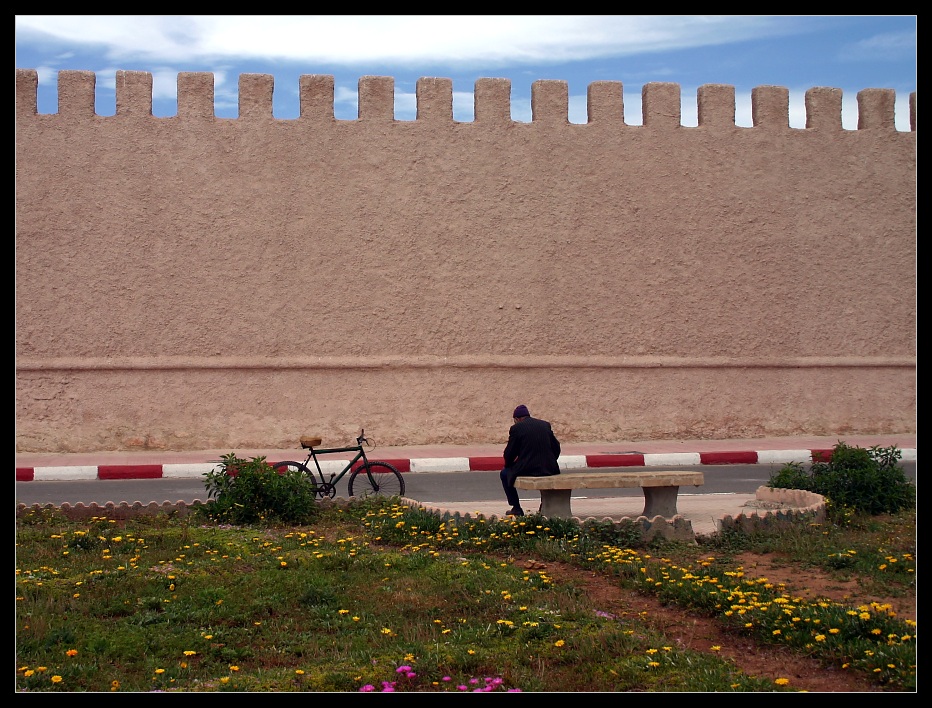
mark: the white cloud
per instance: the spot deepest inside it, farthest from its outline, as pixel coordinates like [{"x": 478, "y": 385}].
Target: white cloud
[
  {"x": 882, "y": 47},
  {"x": 353, "y": 39}
]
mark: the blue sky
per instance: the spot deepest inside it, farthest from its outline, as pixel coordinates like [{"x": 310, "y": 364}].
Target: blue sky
[{"x": 798, "y": 52}]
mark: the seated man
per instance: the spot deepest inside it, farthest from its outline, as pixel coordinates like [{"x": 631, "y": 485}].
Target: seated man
[{"x": 532, "y": 451}]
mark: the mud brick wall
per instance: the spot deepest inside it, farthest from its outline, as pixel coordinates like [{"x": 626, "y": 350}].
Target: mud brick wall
[{"x": 192, "y": 282}]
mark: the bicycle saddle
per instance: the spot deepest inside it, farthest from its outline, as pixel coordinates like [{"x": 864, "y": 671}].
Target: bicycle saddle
[{"x": 307, "y": 443}]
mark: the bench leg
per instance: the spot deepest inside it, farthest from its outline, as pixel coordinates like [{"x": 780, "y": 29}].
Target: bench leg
[
  {"x": 555, "y": 503},
  {"x": 660, "y": 501}
]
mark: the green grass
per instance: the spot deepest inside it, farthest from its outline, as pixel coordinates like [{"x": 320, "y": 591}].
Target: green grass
[{"x": 379, "y": 596}]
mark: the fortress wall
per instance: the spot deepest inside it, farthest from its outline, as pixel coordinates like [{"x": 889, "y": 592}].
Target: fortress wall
[{"x": 193, "y": 282}]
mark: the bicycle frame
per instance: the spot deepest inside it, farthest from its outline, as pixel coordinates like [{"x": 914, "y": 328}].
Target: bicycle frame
[{"x": 336, "y": 476}]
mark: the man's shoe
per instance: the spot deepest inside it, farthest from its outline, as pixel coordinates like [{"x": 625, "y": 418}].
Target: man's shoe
[{"x": 515, "y": 511}]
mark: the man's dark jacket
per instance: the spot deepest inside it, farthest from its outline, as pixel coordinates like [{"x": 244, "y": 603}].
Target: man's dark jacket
[{"x": 532, "y": 449}]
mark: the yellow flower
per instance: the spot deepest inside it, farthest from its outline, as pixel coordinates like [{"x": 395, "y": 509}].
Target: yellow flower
[
  {"x": 716, "y": 648},
  {"x": 299, "y": 672},
  {"x": 225, "y": 679},
  {"x": 559, "y": 643},
  {"x": 190, "y": 653},
  {"x": 234, "y": 668},
  {"x": 72, "y": 652},
  {"x": 56, "y": 679},
  {"x": 160, "y": 671},
  {"x": 782, "y": 681}
]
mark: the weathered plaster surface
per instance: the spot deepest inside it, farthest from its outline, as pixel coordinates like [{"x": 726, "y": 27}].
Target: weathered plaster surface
[{"x": 193, "y": 282}]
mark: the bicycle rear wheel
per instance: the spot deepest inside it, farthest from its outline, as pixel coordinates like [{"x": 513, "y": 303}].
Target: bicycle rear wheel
[
  {"x": 290, "y": 466},
  {"x": 376, "y": 479}
]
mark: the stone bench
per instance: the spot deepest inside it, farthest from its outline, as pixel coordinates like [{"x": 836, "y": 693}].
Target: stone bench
[{"x": 660, "y": 489}]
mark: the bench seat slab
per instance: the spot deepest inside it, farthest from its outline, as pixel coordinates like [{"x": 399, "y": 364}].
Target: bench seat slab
[{"x": 609, "y": 480}]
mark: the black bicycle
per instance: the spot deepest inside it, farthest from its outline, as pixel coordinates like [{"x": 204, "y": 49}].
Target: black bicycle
[{"x": 367, "y": 477}]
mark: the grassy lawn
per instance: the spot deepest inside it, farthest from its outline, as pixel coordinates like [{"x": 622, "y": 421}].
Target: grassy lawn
[{"x": 377, "y": 596}]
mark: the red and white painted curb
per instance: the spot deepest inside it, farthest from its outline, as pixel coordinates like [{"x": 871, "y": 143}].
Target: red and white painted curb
[{"x": 448, "y": 464}]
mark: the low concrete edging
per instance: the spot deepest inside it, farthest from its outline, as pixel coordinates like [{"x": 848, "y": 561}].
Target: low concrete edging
[
  {"x": 776, "y": 507},
  {"x": 773, "y": 507},
  {"x": 126, "y": 510}
]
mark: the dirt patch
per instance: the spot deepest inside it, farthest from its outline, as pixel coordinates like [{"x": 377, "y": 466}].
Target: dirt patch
[
  {"x": 700, "y": 633},
  {"x": 818, "y": 584}
]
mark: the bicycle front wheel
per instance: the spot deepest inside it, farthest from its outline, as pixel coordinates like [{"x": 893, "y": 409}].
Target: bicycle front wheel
[
  {"x": 376, "y": 479},
  {"x": 283, "y": 467}
]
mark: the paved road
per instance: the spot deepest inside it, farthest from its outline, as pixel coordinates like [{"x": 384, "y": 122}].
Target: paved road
[{"x": 433, "y": 486}]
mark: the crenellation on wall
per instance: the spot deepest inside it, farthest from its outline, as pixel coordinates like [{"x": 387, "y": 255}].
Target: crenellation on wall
[
  {"x": 823, "y": 108},
  {"x": 196, "y": 95},
  {"x": 76, "y": 94},
  {"x": 134, "y": 94},
  {"x": 876, "y": 109},
  {"x": 660, "y": 105},
  {"x": 316, "y": 97},
  {"x": 605, "y": 102},
  {"x": 716, "y": 106},
  {"x": 434, "y": 100},
  {"x": 492, "y": 101},
  {"x": 550, "y": 102},
  {"x": 770, "y": 107},
  {"x": 377, "y": 98},
  {"x": 26, "y": 92},
  {"x": 255, "y": 96}
]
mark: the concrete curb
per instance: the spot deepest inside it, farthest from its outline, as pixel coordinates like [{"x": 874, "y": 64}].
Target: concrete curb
[
  {"x": 449, "y": 464},
  {"x": 769, "y": 509}
]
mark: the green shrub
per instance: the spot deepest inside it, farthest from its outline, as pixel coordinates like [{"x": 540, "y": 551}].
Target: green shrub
[
  {"x": 869, "y": 481},
  {"x": 251, "y": 491}
]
